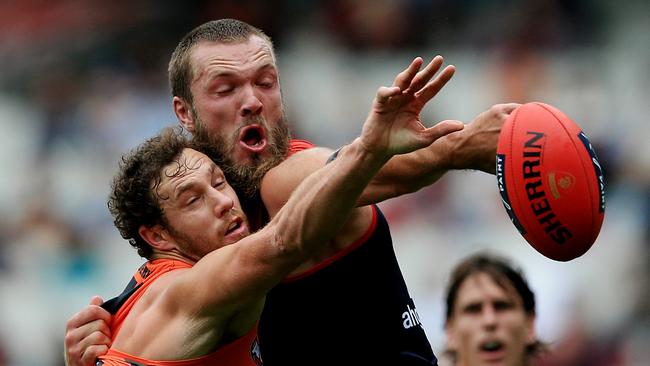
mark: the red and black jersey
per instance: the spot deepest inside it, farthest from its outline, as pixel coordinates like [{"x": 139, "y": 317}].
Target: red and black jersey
[{"x": 352, "y": 309}]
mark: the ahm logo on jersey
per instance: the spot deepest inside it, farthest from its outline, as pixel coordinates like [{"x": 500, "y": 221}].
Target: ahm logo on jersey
[
  {"x": 410, "y": 318},
  {"x": 256, "y": 355}
]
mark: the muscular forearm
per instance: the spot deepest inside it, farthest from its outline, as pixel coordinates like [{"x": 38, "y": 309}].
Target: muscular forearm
[
  {"x": 411, "y": 172},
  {"x": 473, "y": 148},
  {"x": 321, "y": 204}
]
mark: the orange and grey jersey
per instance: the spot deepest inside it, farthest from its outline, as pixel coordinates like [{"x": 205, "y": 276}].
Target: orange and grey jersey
[
  {"x": 352, "y": 309},
  {"x": 243, "y": 351}
]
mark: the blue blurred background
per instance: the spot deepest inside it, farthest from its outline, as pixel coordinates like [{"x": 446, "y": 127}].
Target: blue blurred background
[{"x": 84, "y": 81}]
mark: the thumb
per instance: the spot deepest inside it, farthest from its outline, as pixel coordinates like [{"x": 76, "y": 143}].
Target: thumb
[
  {"x": 444, "y": 128},
  {"x": 96, "y": 300}
]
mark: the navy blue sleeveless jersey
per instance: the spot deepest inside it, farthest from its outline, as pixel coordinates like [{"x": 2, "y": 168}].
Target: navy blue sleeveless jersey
[{"x": 354, "y": 310}]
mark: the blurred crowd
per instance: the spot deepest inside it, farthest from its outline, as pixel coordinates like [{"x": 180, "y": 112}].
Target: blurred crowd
[{"x": 84, "y": 81}]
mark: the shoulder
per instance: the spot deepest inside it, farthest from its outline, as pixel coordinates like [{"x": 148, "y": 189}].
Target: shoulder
[
  {"x": 165, "y": 292},
  {"x": 279, "y": 182}
]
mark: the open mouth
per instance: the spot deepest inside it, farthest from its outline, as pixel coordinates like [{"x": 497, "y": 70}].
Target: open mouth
[
  {"x": 252, "y": 138},
  {"x": 491, "y": 346},
  {"x": 234, "y": 226}
]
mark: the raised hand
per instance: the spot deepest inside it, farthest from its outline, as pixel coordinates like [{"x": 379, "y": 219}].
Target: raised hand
[{"x": 393, "y": 125}]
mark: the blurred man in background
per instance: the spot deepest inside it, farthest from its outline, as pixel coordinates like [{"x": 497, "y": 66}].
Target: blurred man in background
[{"x": 490, "y": 314}]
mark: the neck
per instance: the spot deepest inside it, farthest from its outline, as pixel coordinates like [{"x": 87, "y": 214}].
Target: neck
[{"x": 157, "y": 254}]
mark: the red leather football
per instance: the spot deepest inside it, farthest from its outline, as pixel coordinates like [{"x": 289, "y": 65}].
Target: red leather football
[{"x": 550, "y": 181}]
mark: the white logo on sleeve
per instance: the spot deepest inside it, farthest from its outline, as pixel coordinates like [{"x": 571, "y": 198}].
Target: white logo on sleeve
[{"x": 410, "y": 318}]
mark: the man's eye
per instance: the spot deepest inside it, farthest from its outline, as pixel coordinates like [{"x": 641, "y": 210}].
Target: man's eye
[
  {"x": 266, "y": 83},
  {"x": 218, "y": 183},
  {"x": 473, "y": 309},
  {"x": 503, "y": 305},
  {"x": 225, "y": 90},
  {"x": 192, "y": 200}
]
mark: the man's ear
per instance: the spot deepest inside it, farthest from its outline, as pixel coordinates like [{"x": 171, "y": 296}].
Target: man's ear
[
  {"x": 450, "y": 333},
  {"x": 184, "y": 113},
  {"x": 157, "y": 237},
  {"x": 531, "y": 333}
]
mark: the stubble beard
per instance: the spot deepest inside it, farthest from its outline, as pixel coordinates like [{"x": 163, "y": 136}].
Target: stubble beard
[
  {"x": 187, "y": 244},
  {"x": 194, "y": 247}
]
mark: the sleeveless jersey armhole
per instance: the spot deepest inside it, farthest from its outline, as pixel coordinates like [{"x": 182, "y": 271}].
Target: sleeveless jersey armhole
[{"x": 343, "y": 252}]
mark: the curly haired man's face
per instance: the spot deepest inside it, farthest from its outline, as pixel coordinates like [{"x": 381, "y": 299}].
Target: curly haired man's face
[
  {"x": 489, "y": 325},
  {"x": 202, "y": 210}
]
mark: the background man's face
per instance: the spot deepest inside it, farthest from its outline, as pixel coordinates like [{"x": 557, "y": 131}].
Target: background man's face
[{"x": 489, "y": 325}]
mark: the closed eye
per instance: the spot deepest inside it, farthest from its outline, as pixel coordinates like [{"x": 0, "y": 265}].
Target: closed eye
[
  {"x": 218, "y": 179},
  {"x": 267, "y": 80},
  {"x": 192, "y": 200},
  {"x": 225, "y": 91}
]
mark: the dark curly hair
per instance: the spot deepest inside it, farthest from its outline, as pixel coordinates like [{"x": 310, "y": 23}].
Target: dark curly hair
[
  {"x": 505, "y": 275},
  {"x": 133, "y": 201}
]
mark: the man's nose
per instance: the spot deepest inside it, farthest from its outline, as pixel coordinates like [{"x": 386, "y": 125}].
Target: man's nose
[
  {"x": 489, "y": 316},
  {"x": 222, "y": 203},
  {"x": 251, "y": 104}
]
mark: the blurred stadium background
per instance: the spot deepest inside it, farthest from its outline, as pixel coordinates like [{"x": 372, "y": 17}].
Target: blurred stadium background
[{"x": 83, "y": 81}]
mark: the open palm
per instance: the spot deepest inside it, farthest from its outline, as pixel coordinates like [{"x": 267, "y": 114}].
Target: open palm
[{"x": 393, "y": 125}]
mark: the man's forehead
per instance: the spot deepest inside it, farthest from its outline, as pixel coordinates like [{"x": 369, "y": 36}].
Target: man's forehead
[
  {"x": 480, "y": 285},
  {"x": 252, "y": 53},
  {"x": 188, "y": 162}
]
